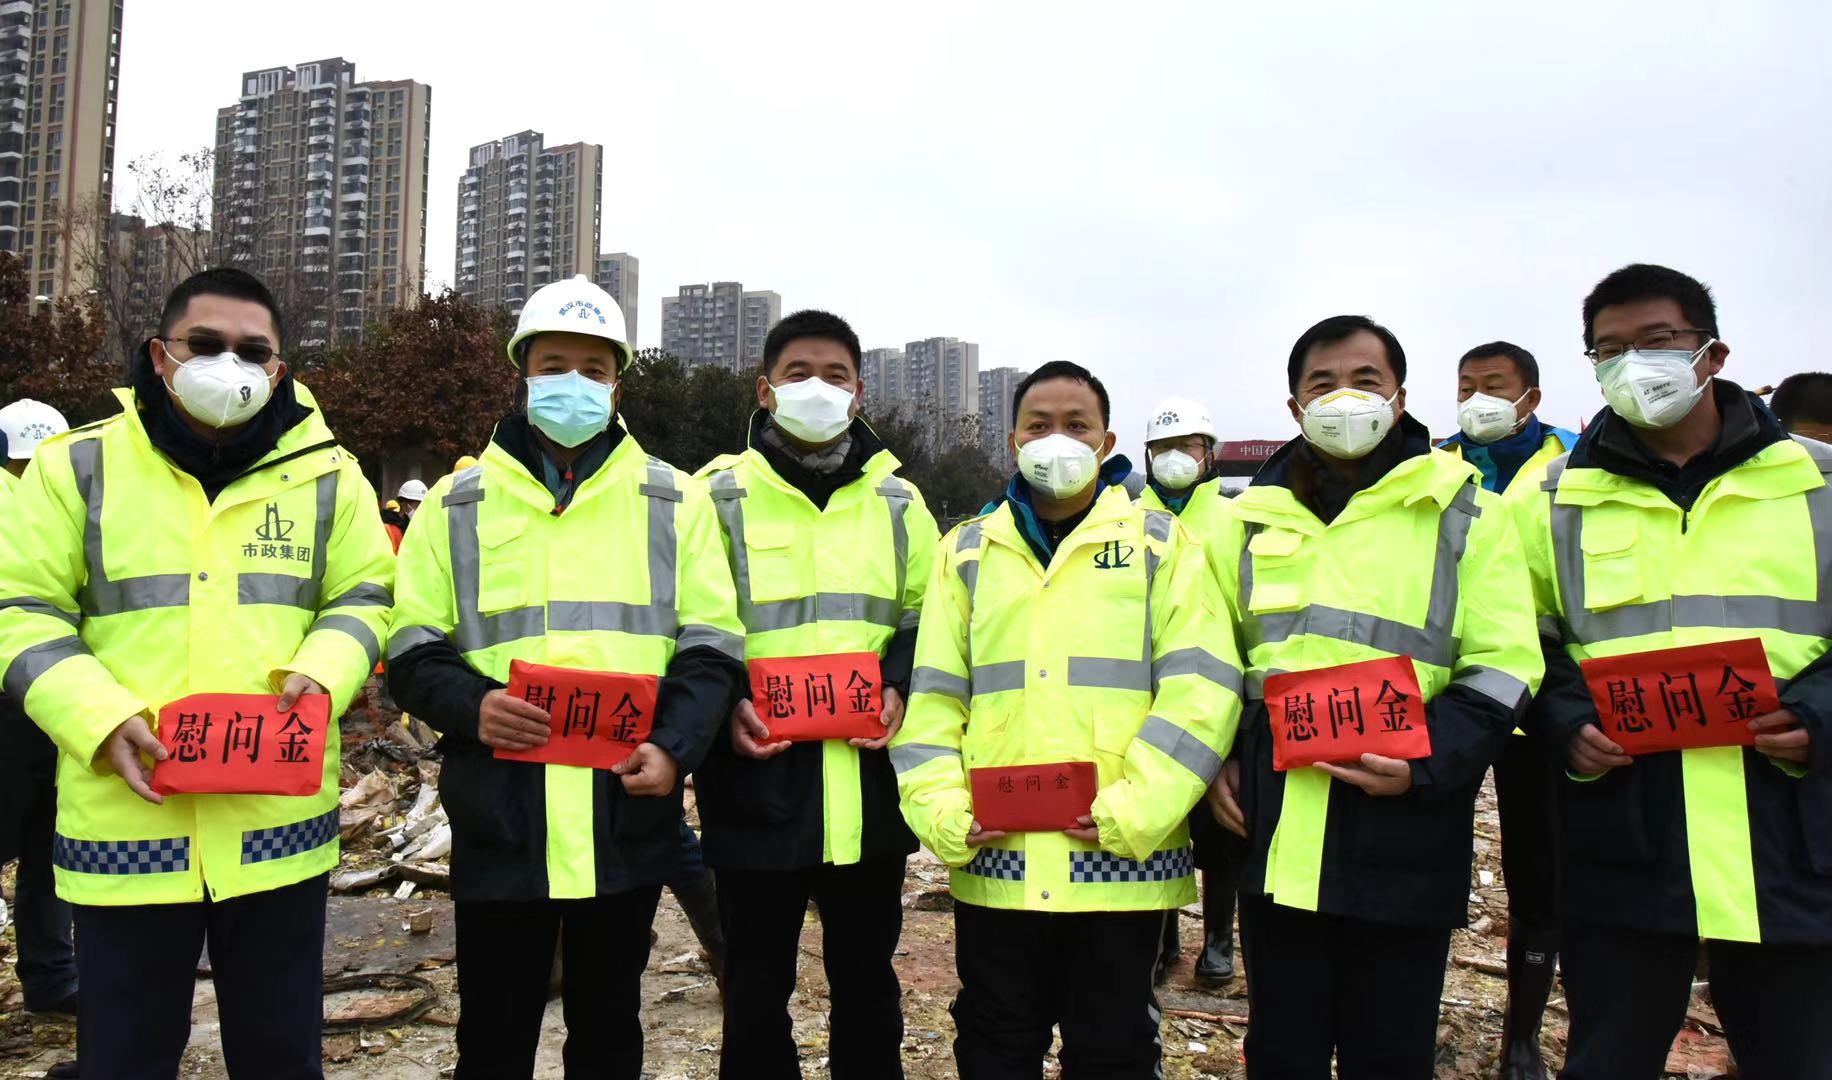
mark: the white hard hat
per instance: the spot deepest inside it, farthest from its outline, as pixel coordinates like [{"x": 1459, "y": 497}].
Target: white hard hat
[
  {"x": 28, "y": 423},
  {"x": 412, "y": 489},
  {"x": 1179, "y": 416},
  {"x": 574, "y": 306}
]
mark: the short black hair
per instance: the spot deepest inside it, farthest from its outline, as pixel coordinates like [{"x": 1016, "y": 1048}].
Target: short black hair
[
  {"x": 1645, "y": 281},
  {"x": 220, "y": 281},
  {"x": 1507, "y": 350},
  {"x": 811, "y": 323},
  {"x": 1064, "y": 369},
  {"x": 1341, "y": 328},
  {"x": 1805, "y": 397}
]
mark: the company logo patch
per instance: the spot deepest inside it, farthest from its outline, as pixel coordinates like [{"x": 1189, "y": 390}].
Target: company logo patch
[
  {"x": 1113, "y": 555},
  {"x": 585, "y": 310}
]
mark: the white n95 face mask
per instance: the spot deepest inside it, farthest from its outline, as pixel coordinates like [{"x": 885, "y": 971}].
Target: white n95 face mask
[
  {"x": 1486, "y": 419},
  {"x": 1347, "y": 423},
  {"x": 1057, "y": 465},
  {"x": 221, "y": 391},
  {"x": 1653, "y": 389},
  {"x": 1175, "y": 469},
  {"x": 812, "y": 410}
]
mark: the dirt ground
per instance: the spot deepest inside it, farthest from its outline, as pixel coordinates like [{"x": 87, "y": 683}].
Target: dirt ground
[{"x": 369, "y": 933}]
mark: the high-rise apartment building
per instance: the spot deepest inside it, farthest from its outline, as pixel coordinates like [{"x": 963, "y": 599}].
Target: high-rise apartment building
[
  {"x": 942, "y": 381},
  {"x": 321, "y": 190},
  {"x": 528, "y": 214},
  {"x": 144, "y": 264},
  {"x": 997, "y": 387},
  {"x": 617, "y": 275},
  {"x": 719, "y": 324},
  {"x": 59, "y": 60},
  {"x": 882, "y": 372}
]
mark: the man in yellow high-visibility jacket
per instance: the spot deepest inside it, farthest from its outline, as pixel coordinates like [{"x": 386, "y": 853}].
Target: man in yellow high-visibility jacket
[
  {"x": 1073, "y": 633},
  {"x": 212, "y": 538},
  {"x": 1498, "y": 395},
  {"x": 1359, "y": 543},
  {"x": 1179, "y": 444},
  {"x": 830, "y": 552},
  {"x": 568, "y": 547},
  {"x": 1686, "y": 516}
]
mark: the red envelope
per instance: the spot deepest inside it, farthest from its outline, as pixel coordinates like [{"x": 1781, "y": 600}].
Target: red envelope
[
  {"x": 239, "y": 744},
  {"x": 599, "y": 718},
  {"x": 1679, "y": 699},
  {"x": 1340, "y": 713},
  {"x": 1033, "y": 798},
  {"x": 808, "y": 698}
]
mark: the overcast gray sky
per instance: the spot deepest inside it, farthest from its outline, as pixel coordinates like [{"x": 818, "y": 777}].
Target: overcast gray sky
[{"x": 1167, "y": 193}]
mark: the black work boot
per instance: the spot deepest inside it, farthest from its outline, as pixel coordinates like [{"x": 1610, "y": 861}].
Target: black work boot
[
  {"x": 1170, "y": 950},
  {"x": 1532, "y": 956},
  {"x": 1215, "y": 967}
]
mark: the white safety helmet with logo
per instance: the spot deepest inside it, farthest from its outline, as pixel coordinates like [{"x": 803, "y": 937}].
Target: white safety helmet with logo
[
  {"x": 27, "y": 423},
  {"x": 1173, "y": 417},
  {"x": 572, "y": 306},
  {"x": 414, "y": 490}
]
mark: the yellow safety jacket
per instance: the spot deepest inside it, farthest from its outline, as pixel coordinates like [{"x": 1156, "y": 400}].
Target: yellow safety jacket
[
  {"x": 122, "y": 588},
  {"x": 1112, "y": 654},
  {"x": 812, "y": 582},
  {"x": 630, "y": 574},
  {"x": 1555, "y": 446},
  {"x": 1723, "y": 842},
  {"x": 7, "y": 482},
  {"x": 1422, "y": 564},
  {"x": 1205, "y": 515}
]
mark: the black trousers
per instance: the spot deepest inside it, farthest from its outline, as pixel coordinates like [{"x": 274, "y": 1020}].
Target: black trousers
[
  {"x": 1628, "y": 994},
  {"x": 1023, "y": 971},
  {"x": 861, "y": 909},
  {"x": 505, "y": 960},
  {"x": 138, "y": 967},
  {"x": 1321, "y": 983},
  {"x": 1525, "y": 796}
]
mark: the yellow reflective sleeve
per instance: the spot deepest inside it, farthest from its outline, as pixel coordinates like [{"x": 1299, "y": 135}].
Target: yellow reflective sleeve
[
  {"x": 926, "y": 752},
  {"x": 708, "y": 600},
  {"x": 923, "y": 542},
  {"x": 425, "y": 606},
  {"x": 355, "y": 599},
  {"x": 1528, "y": 510},
  {"x": 1717, "y": 843},
  {"x": 44, "y": 664},
  {"x": 1496, "y": 624},
  {"x": 1195, "y": 709}
]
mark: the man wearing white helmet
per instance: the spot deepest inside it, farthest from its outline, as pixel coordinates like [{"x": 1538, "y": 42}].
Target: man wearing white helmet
[
  {"x": 1179, "y": 443},
  {"x": 28, "y": 793},
  {"x": 411, "y": 495},
  {"x": 569, "y": 547}
]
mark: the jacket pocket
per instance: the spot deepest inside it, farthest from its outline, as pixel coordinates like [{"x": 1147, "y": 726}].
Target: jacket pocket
[
  {"x": 1421, "y": 832},
  {"x": 483, "y": 798},
  {"x": 647, "y": 829},
  {"x": 504, "y": 565},
  {"x": 776, "y": 570},
  {"x": 1606, "y": 820},
  {"x": 1275, "y": 571},
  {"x": 1612, "y": 561}
]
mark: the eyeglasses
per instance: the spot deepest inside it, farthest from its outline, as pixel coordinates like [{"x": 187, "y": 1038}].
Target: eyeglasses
[
  {"x": 205, "y": 344},
  {"x": 1652, "y": 341}
]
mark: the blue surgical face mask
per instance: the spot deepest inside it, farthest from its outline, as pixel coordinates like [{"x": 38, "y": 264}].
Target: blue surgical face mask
[{"x": 569, "y": 408}]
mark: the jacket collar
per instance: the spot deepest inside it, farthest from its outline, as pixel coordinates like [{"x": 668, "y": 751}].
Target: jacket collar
[
  {"x": 513, "y": 459},
  {"x": 1419, "y": 473},
  {"x": 1107, "y": 519},
  {"x": 876, "y": 460}
]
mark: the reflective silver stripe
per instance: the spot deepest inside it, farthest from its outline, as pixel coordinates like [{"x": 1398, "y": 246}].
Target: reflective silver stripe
[
  {"x": 1495, "y": 684},
  {"x": 969, "y": 570},
  {"x": 1110, "y": 674},
  {"x": 1195, "y": 661},
  {"x": 694, "y": 635},
  {"x": 1181, "y": 747},
  {"x": 969, "y": 537},
  {"x": 35, "y": 661},
  {"x": 930, "y": 680},
  {"x": 909, "y": 620},
  {"x": 405, "y": 639},
  {"x": 1581, "y": 625},
  {"x": 583, "y": 615},
  {"x": 821, "y": 607},
  {"x": 287, "y": 590},
  {"x": 35, "y": 606},
  {"x": 101, "y": 596},
  {"x": 1432, "y": 643},
  {"x": 476, "y": 630},
  {"x": 327, "y": 519},
  {"x": 1818, "y": 451},
  {"x": 663, "y": 494},
  {"x": 1158, "y": 525},
  {"x": 909, "y": 755},
  {"x": 356, "y": 628},
  {"x": 993, "y": 678},
  {"x": 364, "y": 595},
  {"x": 1549, "y": 627},
  {"x": 897, "y": 500}
]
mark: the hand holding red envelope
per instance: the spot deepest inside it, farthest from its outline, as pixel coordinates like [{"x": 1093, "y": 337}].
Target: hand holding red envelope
[
  {"x": 598, "y": 718},
  {"x": 1680, "y": 699},
  {"x": 1033, "y": 798},
  {"x": 241, "y": 744},
  {"x": 809, "y": 698},
  {"x": 1337, "y": 714}
]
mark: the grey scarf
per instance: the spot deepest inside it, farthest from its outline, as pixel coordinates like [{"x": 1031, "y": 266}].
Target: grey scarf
[{"x": 821, "y": 462}]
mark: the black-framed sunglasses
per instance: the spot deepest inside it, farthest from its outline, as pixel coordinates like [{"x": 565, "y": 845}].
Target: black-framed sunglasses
[
  {"x": 1652, "y": 341},
  {"x": 202, "y": 344}
]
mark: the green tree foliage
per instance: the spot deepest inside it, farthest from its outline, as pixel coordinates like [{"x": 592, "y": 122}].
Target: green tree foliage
[
  {"x": 52, "y": 351},
  {"x": 683, "y": 413},
  {"x": 949, "y": 468}
]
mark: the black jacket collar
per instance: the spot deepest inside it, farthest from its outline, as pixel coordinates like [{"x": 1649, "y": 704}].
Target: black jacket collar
[
  {"x": 1297, "y": 466},
  {"x": 1610, "y": 443},
  {"x": 818, "y": 487}
]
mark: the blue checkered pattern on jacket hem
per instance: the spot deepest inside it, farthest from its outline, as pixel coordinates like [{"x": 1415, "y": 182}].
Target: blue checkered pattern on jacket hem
[
  {"x": 122, "y": 856},
  {"x": 283, "y": 841},
  {"x": 998, "y": 864},
  {"x": 1106, "y": 866}
]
